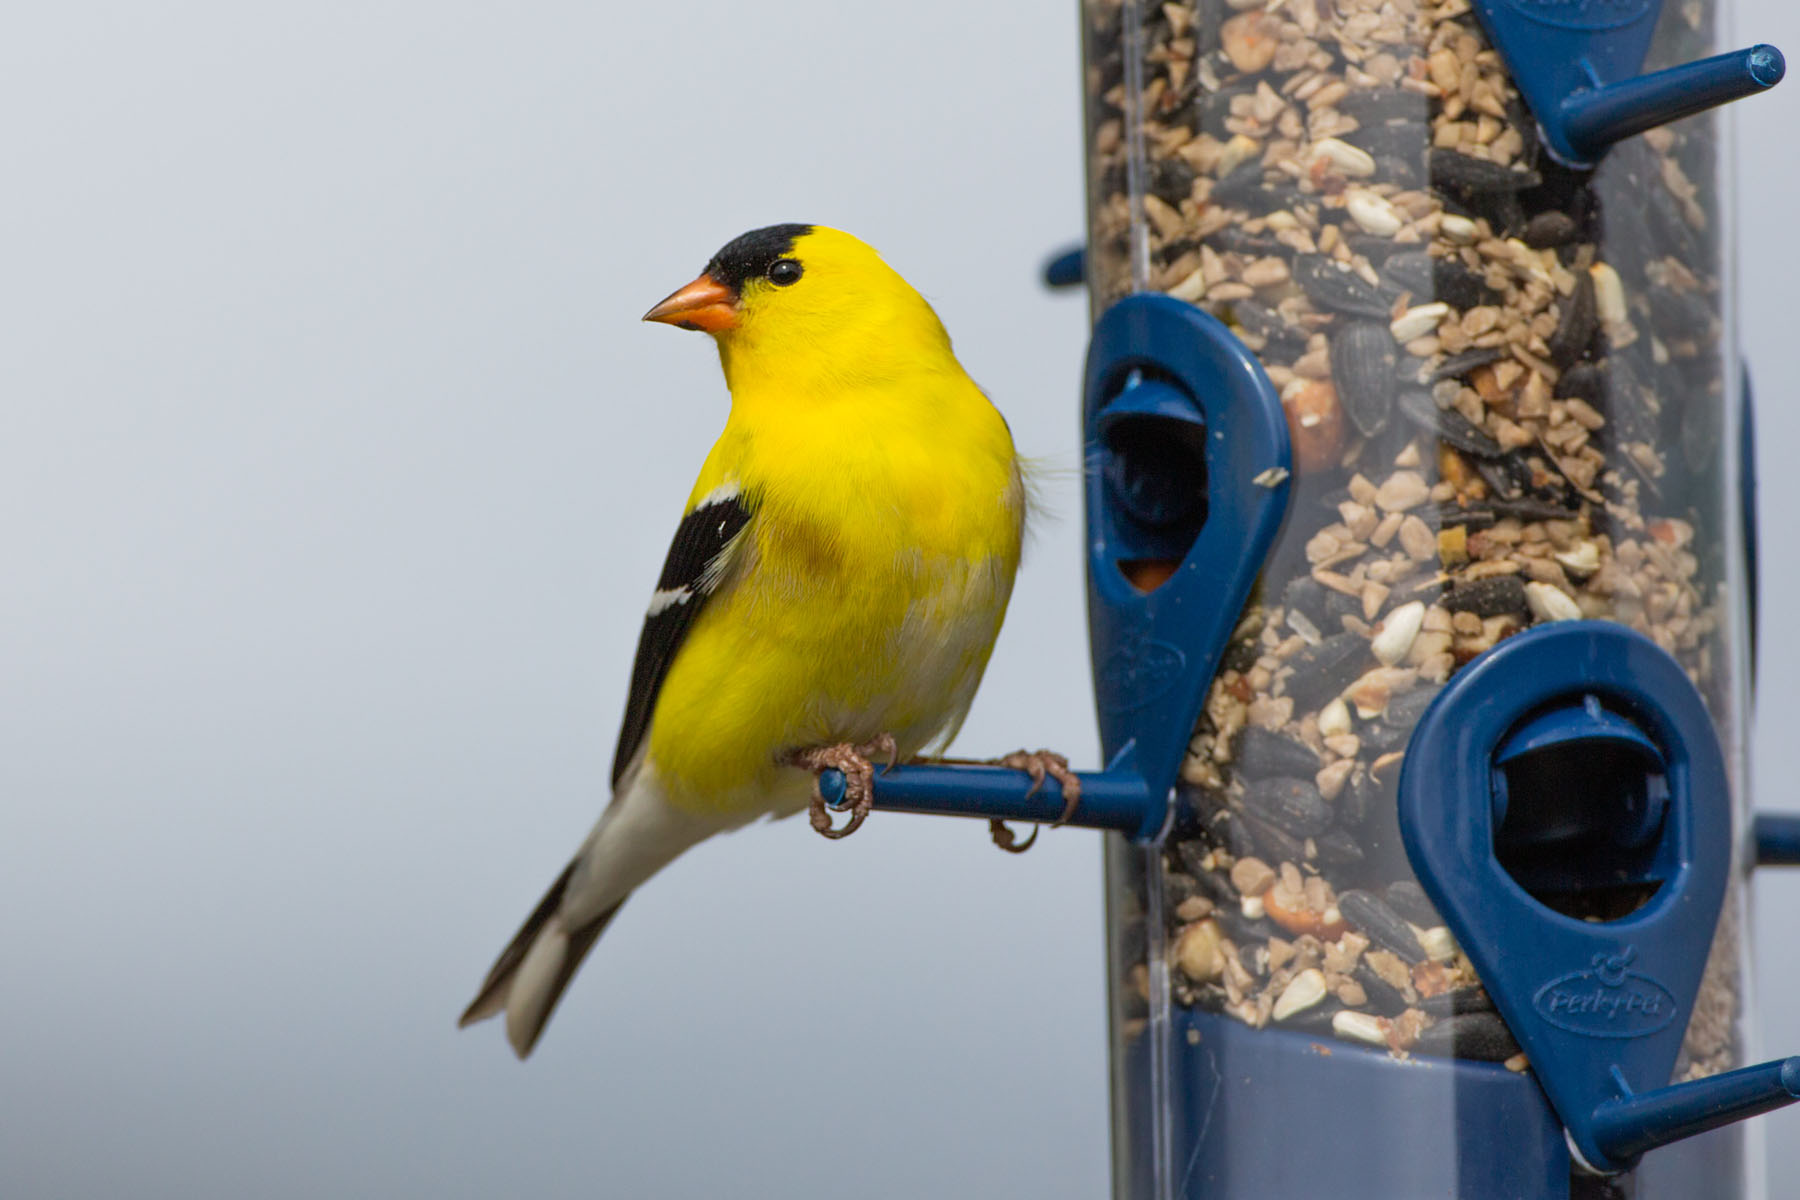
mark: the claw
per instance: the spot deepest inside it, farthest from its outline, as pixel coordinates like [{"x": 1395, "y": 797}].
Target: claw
[
  {"x": 1038, "y": 764},
  {"x": 884, "y": 743},
  {"x": 1009, "y": 841},
  {"x": 859, "y": 779}
]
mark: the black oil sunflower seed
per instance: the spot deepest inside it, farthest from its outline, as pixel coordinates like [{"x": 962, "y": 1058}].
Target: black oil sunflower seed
[
  {"x": 1342, "y": 291},
  {"x": 1457, "y": 285},
  {"x": 1583, "y": 381},
  {"x": 1324, "y": 670},
  {"x": 1338, "y": 848},
  {"x": 1472, "y": 176},
  {"x": 1411, "y": 272},
  {"x": 1494, "y": 596},
  {"x": 1236, "y": 189},
  {"x": 1383, "y": 997},
  {"x": 1363, "y": 361},
  {"x": 1262, "y": 752},
  {"x": 1305, "y": 596},
  {"x": 1410, "y": 901},
  {"x": 1577, "y": 324},
  {"x": 1458, "y": 365},
  {"x": 1372, "y": 916},
  {"x": 1482, "y": 1037},
  {"x": 1448, "y": 424},
  {"x": 1292, "y": 805}
]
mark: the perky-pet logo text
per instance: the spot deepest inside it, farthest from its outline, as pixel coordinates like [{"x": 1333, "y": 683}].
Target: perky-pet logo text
[{"x": 1608, "y": 1000}]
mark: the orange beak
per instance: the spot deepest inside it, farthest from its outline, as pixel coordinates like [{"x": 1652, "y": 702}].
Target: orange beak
[{"x": 703, "y": 304}]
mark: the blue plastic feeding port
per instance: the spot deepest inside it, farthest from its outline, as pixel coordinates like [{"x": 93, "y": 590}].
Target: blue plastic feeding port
[
  {"x": 1564, "y": 803},
  {"x": 1187, "y": 465},
  {"x": 1577, "y": 63}
]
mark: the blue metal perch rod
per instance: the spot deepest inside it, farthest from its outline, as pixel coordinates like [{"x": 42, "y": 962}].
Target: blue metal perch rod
[
  {"x": 1594, "y": 119},
  {"x": 1117, "y": 799}
]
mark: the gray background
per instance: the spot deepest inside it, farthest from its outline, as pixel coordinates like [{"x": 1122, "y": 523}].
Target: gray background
[{"x": 335, "y": 470}]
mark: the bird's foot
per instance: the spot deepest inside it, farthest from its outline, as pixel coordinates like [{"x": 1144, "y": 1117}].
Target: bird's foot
[
  {"x": 1038, "y": 764},
  {"x": 859, "y": 779}
]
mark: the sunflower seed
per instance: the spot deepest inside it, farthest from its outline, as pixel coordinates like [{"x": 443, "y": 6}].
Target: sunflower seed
[
  {"x": 1458, "y": 365},
  {"x": 1302, "y": 992},
  {"x": 1260, "y": 752},
  {"x": 1340, "y": 290},
  {"x": 1490, "y": 597},
  {"x": 1338, "y": 848},
  {"x": 1457, "y": 285},
  {"x": 1324, "y": 670},
  {"x": 1410, "y": 271},
  {"x": 1384, "y": 997},
  {"x": 1410, "y": 901},
  {"x": 1386, "y": 928},
  {"x": 1394, "y": 636},
  {"x": 1475, "y": 176},
  {"x": 1292, "y": 805},
  {"x": 1346, "y": 158},
  {"x": 1481, "y": 1036},
  {"x": 1373, "y": 213},
  {"x": 1418, "y": 321},
  {"x": 1236, "y": 189},
  {"x": 1577, "y": 325},
  {"x": 1362, "y": 1027},
  {"x": 1363, "y": 359},
  {"x": 1583, "y": 381},
  {"x": 1449, "y": 425},
  {"x": 1550, "y": 603}
]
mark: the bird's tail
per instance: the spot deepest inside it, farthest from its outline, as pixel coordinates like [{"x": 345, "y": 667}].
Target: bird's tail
[
  {"x": 638, "y": 835},
  {"x": 532, "y": 972}
]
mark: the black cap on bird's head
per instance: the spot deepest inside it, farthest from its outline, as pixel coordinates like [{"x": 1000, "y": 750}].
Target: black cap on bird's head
[{"x": 711, "y": 302}]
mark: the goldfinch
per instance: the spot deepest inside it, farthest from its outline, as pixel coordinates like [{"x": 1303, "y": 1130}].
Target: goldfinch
[{"x": 832, "y": 594}]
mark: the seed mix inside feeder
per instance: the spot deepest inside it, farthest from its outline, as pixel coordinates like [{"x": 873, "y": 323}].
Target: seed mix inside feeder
[{"x": 1505, "y": 380}]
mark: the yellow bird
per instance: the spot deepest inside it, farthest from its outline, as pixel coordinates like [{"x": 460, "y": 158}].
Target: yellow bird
[{"x": 832, "y": 594}]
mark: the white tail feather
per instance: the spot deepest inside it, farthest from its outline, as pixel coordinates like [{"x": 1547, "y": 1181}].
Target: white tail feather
[
  {"x": 637, "y": 835},
  {"x": 535, "y": 986}
]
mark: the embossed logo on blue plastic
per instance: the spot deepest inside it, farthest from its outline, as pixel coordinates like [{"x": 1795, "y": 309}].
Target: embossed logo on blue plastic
[
  {"x": 1582, "y": 14},
  {"x": 1607, "y": 1000},
  {"x": 1141, "y": 670}
]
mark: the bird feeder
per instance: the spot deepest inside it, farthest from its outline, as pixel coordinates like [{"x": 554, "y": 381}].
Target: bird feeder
[{"x": 1419, "y": 600}]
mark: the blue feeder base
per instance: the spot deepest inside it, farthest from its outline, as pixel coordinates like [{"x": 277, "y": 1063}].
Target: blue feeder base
[{"x": 1261, "y": 1113}]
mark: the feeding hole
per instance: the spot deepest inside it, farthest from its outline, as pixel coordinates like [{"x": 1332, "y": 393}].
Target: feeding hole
[
  {"x": 1583, "y": 816},
  {"x": 1154, "y": 468}
]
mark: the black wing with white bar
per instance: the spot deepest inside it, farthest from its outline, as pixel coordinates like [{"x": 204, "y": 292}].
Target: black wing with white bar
[{"x": 690, "y": 575}]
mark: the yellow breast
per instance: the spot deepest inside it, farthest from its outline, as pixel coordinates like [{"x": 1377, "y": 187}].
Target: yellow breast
[{"x": 871, "y": 584}]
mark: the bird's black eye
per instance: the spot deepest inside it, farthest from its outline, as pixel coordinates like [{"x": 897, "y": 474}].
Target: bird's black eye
[{"x": 784, "y": 272}]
